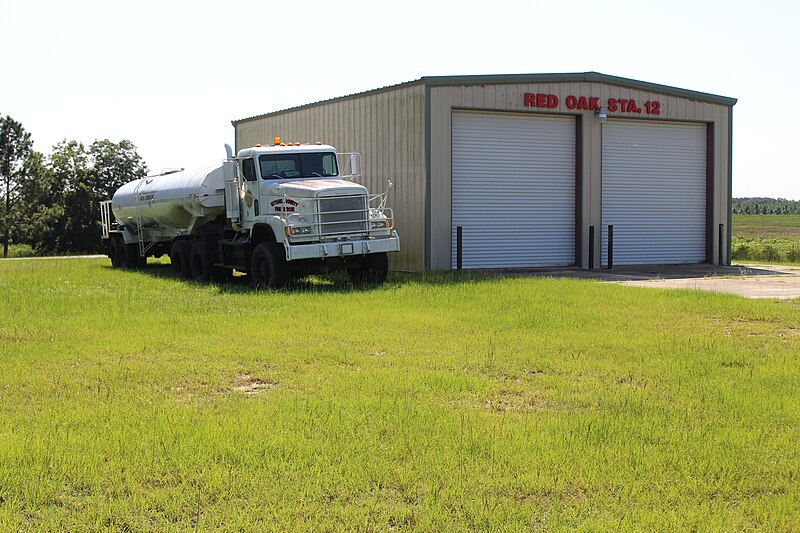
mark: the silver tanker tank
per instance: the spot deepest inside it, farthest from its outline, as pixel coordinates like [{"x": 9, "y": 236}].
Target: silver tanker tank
[{"x": 175, "y": 200}]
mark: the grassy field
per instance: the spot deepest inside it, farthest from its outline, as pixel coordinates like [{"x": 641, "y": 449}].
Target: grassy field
[
  {"x": 133, "y": 401},
  {"x": 770, "y": 238}
]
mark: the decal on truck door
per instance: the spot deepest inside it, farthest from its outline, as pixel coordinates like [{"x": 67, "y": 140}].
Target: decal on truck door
[{"x": 284, "y": 205}]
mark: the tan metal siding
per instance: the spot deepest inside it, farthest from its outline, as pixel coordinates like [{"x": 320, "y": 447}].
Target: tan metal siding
[
  {"x": 510, "y": 97},
  {"x": 388, "y": 129}
]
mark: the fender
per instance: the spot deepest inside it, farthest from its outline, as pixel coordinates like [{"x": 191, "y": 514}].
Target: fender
[{"x": 267, "y": 227}]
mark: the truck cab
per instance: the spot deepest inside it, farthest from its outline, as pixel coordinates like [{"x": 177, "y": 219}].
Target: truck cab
[{"x": 296, "y": 196}]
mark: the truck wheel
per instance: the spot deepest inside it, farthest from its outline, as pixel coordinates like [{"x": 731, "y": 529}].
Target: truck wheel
[
  {"x": 374, "y": 268},
  {"x": 127, "y": 254},
  {"x": 201, "y": 265},
  {"x": 112, "y": 249},
  {"x": 122, "y": 254},
  {"x": 179, "y": 259},
  {"x": 132, "y": 255},
  {"x": 268, "y": 268}
]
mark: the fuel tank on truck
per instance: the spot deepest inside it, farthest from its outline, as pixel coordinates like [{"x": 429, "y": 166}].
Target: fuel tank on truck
[{"x": 171, "y": 200}]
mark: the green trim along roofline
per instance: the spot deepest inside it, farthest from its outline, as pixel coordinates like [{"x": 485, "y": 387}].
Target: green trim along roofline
[{"x": 496, "y": 79}]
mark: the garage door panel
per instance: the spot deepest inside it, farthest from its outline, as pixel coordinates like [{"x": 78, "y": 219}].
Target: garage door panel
[
  {"x": 513, "y": 189},
  {"x": 654, "y": 192}
]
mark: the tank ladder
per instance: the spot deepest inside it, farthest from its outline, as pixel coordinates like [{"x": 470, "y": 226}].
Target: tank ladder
[
  {"x": 143, "y": 246},
  {"x": 105, "y": 218}
]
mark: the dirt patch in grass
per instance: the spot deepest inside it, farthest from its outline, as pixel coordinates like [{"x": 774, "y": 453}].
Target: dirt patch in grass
[
  {"x": 755, "y": 328},
  {"x": 252, "y": 385}
]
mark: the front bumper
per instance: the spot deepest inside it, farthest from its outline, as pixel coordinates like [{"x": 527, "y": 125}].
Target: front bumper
[{"x": 321, "y": 250}]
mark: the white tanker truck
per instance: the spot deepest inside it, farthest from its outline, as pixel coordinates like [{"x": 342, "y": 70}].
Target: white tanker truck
[{"x": 275, "y": 212}]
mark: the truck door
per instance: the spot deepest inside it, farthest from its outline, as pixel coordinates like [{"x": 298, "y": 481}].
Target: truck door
[{"x": 250, "y": 201}]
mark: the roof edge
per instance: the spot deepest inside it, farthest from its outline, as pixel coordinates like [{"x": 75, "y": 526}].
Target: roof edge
[
  {"x": 331, "y": 100},
  {"x": 591, "y": 77},
  {"x": 496, "y": 79}
]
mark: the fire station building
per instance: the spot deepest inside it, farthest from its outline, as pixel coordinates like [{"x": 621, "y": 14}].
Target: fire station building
[{"x": 534, "y": 170}]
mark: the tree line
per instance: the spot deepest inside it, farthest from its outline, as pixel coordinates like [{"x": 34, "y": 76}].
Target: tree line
[
  {"x": 51, "y": 203},
  {"x": 765, "y": 206}
]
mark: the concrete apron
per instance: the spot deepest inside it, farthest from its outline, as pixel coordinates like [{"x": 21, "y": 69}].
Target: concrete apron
[{"x": 750, "y": 281}]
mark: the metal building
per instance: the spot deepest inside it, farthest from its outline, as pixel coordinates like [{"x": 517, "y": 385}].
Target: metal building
[{"x": 534, "y": 170}]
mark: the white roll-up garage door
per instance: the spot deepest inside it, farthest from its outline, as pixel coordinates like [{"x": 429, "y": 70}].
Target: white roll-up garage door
[
  {"x": 654, "y": 192},
  {"x": 513, "y": 189}
]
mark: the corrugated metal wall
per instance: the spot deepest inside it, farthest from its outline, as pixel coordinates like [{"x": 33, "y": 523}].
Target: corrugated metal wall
[
  {"x": 444, "y": 99},
  {"x": 388, "y": 129}
]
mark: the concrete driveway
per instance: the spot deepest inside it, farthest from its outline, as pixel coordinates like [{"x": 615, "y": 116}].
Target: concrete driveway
[
  {"x": 751, "y": 281},
  {"x": 762, "y": 281}
]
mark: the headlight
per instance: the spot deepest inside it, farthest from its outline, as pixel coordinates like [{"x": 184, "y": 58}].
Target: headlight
[{"x": 294, "y": 231}]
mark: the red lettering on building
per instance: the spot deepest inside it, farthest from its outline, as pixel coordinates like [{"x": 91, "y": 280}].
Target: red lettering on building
[
  {"x": 653, "y": 108},
  {"x": 571, "y": 102},
  {"x": 541, "y": 100},
  {"x": 591, "y": 103},
  {"x": 530, "y": 100},
  {"x": 549, "y": 101}
]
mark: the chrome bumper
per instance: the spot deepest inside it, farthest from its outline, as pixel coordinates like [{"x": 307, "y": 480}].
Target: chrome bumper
[{"x": 321, "y": 250}]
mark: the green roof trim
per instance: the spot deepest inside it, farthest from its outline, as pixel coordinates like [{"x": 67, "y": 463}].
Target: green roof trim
[
  {"x": 498, "y": 79},
  {"x": 587, "y": 77}
]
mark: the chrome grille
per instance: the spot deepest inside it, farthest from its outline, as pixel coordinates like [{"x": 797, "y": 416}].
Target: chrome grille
[{"x": 343, "y": 214}]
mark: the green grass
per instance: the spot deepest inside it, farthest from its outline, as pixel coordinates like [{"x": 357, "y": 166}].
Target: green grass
[
  {"x": 767, "y": 226},
  {"x": 133, "y": 401},
  {"x": 766, "y": 238}
]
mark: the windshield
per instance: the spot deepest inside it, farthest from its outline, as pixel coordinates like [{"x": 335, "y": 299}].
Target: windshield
[{"x": 310, "y": 165}]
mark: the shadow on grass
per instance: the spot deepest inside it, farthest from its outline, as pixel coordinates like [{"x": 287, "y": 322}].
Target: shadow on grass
[{"x": 330, "y": 283}]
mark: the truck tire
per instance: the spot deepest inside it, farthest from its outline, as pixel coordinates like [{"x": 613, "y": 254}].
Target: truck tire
[
  {"x": 179, "y": 259},
  {"x": 113, "y": 251},
  {"x": 127, "y": 254},
  {"x": 200, "y": 264},
  {"x": 374, "y": 269},
  {"x": 268, "y": 266},
  {"x": 122, "y": 254}
]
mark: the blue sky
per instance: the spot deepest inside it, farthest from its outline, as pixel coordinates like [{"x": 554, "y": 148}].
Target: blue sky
[{"x": 171, "y": 75}]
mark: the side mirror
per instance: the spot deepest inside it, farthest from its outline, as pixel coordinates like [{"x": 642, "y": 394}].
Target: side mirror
[
  {"x": 229, "y": 171},
  {"x": 355, "y": 164},
  {"x": 350, "y": 166}
]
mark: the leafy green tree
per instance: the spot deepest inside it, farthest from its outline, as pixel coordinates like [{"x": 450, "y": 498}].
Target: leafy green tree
[
  {"x": 71, "y": 181},
  {"x": 765, "y": 206},
  {"x": 114, "y": 164},
  {"x": 41, "y": 217},
  {"x": 15, "y": 145},
  {"x": 83, "y": 178}
]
